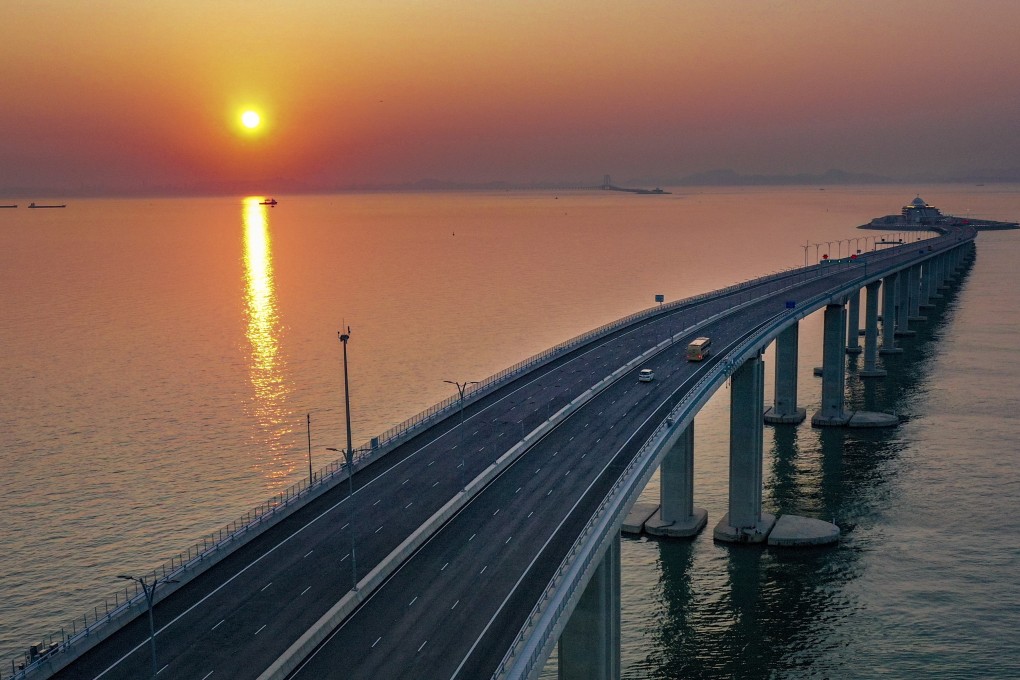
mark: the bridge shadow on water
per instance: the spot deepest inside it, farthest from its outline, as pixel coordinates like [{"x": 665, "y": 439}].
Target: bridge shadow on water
[{"x": 724, "y": 611}]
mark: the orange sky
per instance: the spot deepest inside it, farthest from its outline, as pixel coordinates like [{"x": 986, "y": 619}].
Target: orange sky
[{"x": 119, "y": 94}]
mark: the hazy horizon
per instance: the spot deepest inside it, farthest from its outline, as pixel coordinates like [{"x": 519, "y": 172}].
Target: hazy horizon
[{"x": 133, "y": 98}]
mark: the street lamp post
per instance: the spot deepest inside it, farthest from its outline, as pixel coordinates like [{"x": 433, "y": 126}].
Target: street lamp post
[
  {"x": 349, "y": 457},
  {"x": 461, "y": 388},
  {"x": 150, "y": 592}
]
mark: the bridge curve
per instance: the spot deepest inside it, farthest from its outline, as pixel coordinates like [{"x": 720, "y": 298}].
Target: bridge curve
[{"x": 544, "y": 560}]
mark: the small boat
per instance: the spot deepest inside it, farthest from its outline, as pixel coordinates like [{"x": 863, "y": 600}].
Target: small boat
[
  {"x": 34, "y": 205},
  {"x": 268, "y": 201},
  {"x": 12, "y": 205}
]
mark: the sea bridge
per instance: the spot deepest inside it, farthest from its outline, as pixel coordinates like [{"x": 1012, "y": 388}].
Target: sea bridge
[{"x": 472, "y": 540}]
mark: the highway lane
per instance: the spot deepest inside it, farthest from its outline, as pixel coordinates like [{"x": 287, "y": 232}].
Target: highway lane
[
  {"x": 264, "y": 595},
  {"x": 455, "y": 607}
]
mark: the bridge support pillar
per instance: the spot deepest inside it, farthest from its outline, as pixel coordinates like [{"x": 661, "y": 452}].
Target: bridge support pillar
[
  {"x": 903, "y": 304},
  {"x": 927, "y": 285},
  {"x": 889, "y": 316},
  {"x": 677, "y": 517},
  {"x": 589, "y": 646},
  {"x": 833, "y": 369},
  {"x": 871, "y": 369},
  {"x": 745, "y": 522},
  {"x": 914, "y": 294},
  {"x": 784, "y": 408},
  {"x": 853, "y": 343}
]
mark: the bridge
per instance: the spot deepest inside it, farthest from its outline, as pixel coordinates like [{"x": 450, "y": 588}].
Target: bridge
[{"x": 476, "y": 537}]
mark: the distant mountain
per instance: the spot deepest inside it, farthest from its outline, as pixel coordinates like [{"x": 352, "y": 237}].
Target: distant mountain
[{"x": 733, "y": 178}]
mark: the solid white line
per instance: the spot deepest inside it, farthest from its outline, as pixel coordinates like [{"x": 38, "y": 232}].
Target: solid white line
[
  {"x": 162, "y": 669},
  {"x": 408, "y": 505},
  {"x": 260, "y": 629},
  {"x": 207, "y": 675},
  {"x": 217, "y": 625},
  {"x": 483, "y": 570},
  {"x": 306, "y": 590},
  {"x": 266, "y": 586},
  {"x": 444, "y": 566},
  {"x": 309, "y": 552},
  {"x": 507, "y": 540},
  {"x": 412, "y": 601},
  {"x": 380, "y": 528},
  {"x": 472, "y": 537},
  {"x": 376, "y": 642},
  {"x": 455, "y": 604},
  {"x": 345, "y": 557},
  {"x": 423, "y": 645},
  {"x": 431, "y": 464}
]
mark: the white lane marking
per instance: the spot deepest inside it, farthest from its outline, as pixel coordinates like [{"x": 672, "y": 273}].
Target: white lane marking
[
  {"x": 548, "y": 492},
  {"x": 309, "y": 552},
  {"x": 412, "y": 601},
  {"x": 431, "y": 464},
  {"x": 483, "y": 570},
  {"x": 377, "y": 503},
  {"x": 408, "y": 505},
  {"x": 472, "y": 537},
  {"x": 207, "y": 675},
  {"x": 538, "y": 470},
  {"x": 217, "y": 625},
  {"x": 345, "y": 557},
  {"x": 380, "y": 528},
  {"x": 495, "y": 513},
  {"x": 567, "y": 473},
  {"x": 531, "y": 513},
  {"x": 306, "y": 590},
  {"x": 444, "y": 566},
  {"x": 455, "y": 604},
  {"x": 507, "y": 540},
  {"x": 518, "y": 491},
  {"x": 376, "y": 642},
  {"x": 266, "y": 586},
  {"x": 435, "y": 485},
  {"x": 404, "y": 482},
  {"x": 162, "y": 669},
  {"x": 423, "y": 645},
  {"x": 345, "y": 526},
  {"x": 260, "y": 629}
]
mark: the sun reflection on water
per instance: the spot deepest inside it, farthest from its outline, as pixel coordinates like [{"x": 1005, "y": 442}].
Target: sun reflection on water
[{"x": 266, "y": 367}]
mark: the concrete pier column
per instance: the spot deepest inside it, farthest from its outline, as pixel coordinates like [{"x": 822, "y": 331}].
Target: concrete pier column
[
  {"x": 903, "y": 304},
  {"x": 745, "y": 522},
  {"x": 589, "y": 647},
  {"x": 853, "y": 326},
  {"x": 871, "y": 369},
  {"x": 889, "y": 316},
  {"x": 677, "y": 516},
  {"x": 943, "y": 269},
  {"x": 832, "y": 410},
  {"x": 914, "y": 294},
  {"x": 784, "y": 408}
]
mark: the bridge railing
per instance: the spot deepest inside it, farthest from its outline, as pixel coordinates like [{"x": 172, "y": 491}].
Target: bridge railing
[
  {"x": 128, "y": 603},
  {"x": 532, "y": 643}
]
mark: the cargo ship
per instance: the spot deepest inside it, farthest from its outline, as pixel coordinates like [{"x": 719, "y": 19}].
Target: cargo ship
[{"x": 918, "y": 214}]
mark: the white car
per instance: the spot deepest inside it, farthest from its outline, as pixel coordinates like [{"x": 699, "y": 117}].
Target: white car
[{"x": 646, "y": 375}]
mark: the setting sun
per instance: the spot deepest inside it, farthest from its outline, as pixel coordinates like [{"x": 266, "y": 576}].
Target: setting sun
[{"x": 250, "y": 119}]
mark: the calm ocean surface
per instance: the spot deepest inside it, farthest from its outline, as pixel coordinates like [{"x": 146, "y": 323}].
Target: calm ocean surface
[{"x": 158, "y": 359}]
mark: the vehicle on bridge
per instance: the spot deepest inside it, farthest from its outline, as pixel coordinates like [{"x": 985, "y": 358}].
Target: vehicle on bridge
[
  {"x": 698, "y": 349},
  {"x": 646, "y": 375}
]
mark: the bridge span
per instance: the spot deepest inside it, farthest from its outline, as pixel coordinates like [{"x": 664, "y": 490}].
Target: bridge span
[{"x": 470, "y": 544}]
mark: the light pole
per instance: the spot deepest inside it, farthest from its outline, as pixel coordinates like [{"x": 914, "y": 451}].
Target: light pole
[
  {"x": 461, "y": 388},
  {"x": 150, "y": 593},
  {"x": 349, "y": 456},
  {"x": 805, "y": 247}
]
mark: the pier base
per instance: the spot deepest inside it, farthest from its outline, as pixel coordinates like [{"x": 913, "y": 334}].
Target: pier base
[
  {"x": 774, "y": 418},
  {"x": 796, "y": 531},
  {"x": 684, "y": 528},
  {"x": 858, "y": 419},
  {"x": 759, "y": 533},
  {"x": 636, "y": 518}
]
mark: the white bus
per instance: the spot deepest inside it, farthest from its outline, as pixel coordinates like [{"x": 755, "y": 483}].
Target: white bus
[{"x": 698, "y": 349}]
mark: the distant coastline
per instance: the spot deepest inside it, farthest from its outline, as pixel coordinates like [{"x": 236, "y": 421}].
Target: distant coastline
[{"x": 714, "y": 178}]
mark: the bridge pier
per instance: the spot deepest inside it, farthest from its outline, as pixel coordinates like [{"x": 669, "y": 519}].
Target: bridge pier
[
  {"x": 927, "y": 285},
  {"x": 902, "y": 303},
  {"x": 853, "y": 343},
  {"x": 784, "y": 408},
  {"x": 589, "y": 646},
  {"x": 745, "y": 522},
  {"x": 914, "y": 294},
  {"x": 889, "y": 316},
  {"x": 833, "y": 369},
  {"x": 871, "y": 369},
  {"x": 677, "y": 517}
]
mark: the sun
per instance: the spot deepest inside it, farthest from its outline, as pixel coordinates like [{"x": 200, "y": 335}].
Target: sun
[{"x": 251, "y": 119}]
